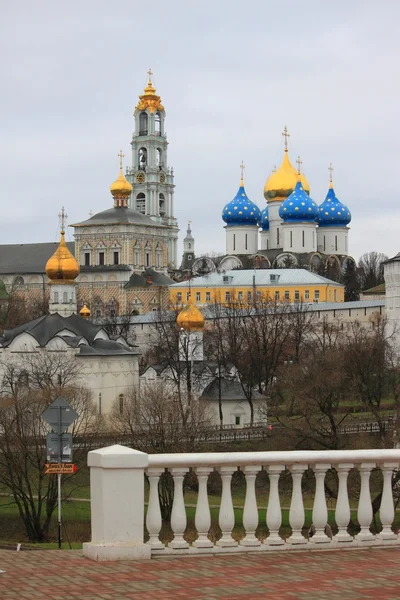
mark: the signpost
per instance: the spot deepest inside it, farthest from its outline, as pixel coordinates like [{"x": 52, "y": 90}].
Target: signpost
[{"x": 59, "y": 415}]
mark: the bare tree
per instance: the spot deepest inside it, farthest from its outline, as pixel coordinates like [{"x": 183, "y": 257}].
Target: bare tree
[
  {"x": 154, "y": 424},
  {"x": 25, "y": 395},
  {"x": 370, "y": 268}
]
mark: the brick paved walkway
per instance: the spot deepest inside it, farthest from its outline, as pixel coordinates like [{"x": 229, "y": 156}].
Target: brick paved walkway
[{"x": 58, "y": 575}]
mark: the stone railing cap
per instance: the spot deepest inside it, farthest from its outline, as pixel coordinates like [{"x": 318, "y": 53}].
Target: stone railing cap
[{"x": 118, "y": 457}]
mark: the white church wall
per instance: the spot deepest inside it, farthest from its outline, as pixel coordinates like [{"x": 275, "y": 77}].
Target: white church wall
[
  {"x": 275, "y": 226},
  {"x": 299, "y": 237},
  {"x": 333, "y": 240},
  {"x": 241, "y": 239}
]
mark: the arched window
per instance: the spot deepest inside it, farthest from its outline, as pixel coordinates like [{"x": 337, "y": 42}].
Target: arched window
[
  {"x": 136, "y": 254},
  {"x": 157, "y": 123},
  {"x": 159, "y": 158},
  {"x": 161, "y": 199},
  {"x": 65, "y": 297},
  {"x": 159, "y": 255},
  {"x": 143, "y": 127},
  {"x": 142, "y": 159},
  {"x": 147, "y": 255},
  {"x": 19, "y": 281},
  {"x": 141, "y": 203},
  {"x": 121, "y": 403},
  {"x": 56, "y": 297}
]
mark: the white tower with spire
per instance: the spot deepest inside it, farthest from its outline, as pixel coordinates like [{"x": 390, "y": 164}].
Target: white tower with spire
[
  {"x": 188, "y": 249},
  {"x": 150, "y": 175}
]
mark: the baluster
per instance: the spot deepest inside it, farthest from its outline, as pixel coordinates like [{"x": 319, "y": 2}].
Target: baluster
[
  {"x": 342, "y": 513},
  {"x": 274, "y": 513},
  {"x": 203, "y": 517},
  {"x": 178, "y": 514},
  {"x": 386, "y": 512},
  {"x": 320, "y": 511},
  {"x": 364, "y": 513},
  {"x": 250, "y": 512},
  {"x": 296, "y": 513},
  {"x": 153, "y": 517},
  {"x": 226, "y": 513}
]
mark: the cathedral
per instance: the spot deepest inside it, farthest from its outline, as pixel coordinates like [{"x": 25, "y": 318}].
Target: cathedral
[
  {"x": 126, "y": 251},
  {"x": 291, "y": 231}
]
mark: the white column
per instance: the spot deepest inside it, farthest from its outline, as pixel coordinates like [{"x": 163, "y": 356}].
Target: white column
[
  {"x": 364, "y": 513},
  {"x": 274, "y": 512},
  {"x": 296, "y": 513},
  {"x": 153, "y": 517},
  {"x": 386, "y": 512},
  {"x": 226, "y": 513},
  {"x": 320, "y": 511},
  {"x": 202, "y": 518},
  {"x": 117, "y": 504},
  {"x": 342, "y": 513},
  {"x": 250, "y": 512},
  {"x": 178, "y": 514}
]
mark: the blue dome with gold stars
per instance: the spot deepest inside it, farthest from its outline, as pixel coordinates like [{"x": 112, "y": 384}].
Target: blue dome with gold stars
[
  {"x": 241, "y": 210},
  {"x": 298, "y": 206},
  {"x": 264, "y": 221},
  {"x": 332, "y": 212}
]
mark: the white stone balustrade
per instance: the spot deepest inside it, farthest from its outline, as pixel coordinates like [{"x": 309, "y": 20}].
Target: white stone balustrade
[{"x": 118, "y": 501}]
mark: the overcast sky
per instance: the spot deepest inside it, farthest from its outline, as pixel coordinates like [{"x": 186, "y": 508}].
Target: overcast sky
[{"x": 231, "y": 75}]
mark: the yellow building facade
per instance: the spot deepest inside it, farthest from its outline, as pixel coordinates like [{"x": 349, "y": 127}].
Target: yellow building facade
[{"x": 249, "y": 286}]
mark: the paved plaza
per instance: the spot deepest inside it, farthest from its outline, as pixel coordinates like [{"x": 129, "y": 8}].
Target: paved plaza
[{"x": 57, "y": 575}]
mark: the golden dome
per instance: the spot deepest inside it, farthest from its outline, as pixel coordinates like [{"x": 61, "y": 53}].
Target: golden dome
[
  {"x": 282, "y": 182},
  {"x": 62, "y": 267},
  {"x": 121, "y": 189},
  {"x": 149, "y": 99},
  {"x": 190, "y": 318},
  {"x": 85, "y": 311}
]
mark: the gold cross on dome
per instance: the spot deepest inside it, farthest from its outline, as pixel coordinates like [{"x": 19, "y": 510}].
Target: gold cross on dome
[
  {"x": 121, "y": 156},
  {"x": 299, "y": 162},
  {"x": 242, "y": 168},
  {"x": 63, "y": 217},
  {"x": 149, "y": 73},
  {"x": 286, "y": 135},
  {"x": 330, "y": 169}
]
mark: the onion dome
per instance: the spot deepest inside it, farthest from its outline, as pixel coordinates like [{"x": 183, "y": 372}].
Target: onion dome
[
  {"x": 241, "y": 210},
  {"x": 149, "y": 100},
  {"x": 298, "y": 206},
  {"x": 85, "y": 311},
  {"x": 264, "y": 221},
  {"x": 62, "y": 267},
  {"x": 281, "y": 183},
  {"x": 332, "y": 212},
  {"x": 121, "y": 189},
  {"x": 190, "y": 318}
]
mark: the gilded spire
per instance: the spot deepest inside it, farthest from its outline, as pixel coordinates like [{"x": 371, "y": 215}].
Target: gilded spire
[
  {"x": 330, "y": 169},
  {"x": 149, "y": 100},
  {"x": 242, "y": 168},
  {"x": 62, "y": 267},
  {"x": 299, "y": 162},
  {"x": 121, "y": 189}
]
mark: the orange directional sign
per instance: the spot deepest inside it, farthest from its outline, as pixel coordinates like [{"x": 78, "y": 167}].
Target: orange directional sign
[{"x": 60, "y": 469}]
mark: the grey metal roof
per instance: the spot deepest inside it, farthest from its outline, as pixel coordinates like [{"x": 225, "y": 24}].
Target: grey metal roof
[
  {"x": 141, "y": 280},
  {"x": 259, "y": 277},
  {"x": 230, "y": 390},
  {"x": 47, "y": 327},
  {"x": 209, "y": 313},
  {"x": 118, "y": 216},
  {"x": 27, "y": 258}
]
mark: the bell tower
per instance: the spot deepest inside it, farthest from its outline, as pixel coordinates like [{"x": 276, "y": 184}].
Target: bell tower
[{"x": 151, "y": 177}]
